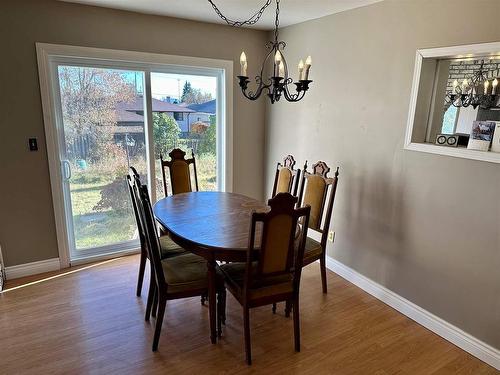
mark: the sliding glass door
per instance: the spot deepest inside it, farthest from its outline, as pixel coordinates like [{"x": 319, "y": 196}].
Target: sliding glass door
[
  {"x": 108, "y": 115},
  {"x": 103, "y": 133}
]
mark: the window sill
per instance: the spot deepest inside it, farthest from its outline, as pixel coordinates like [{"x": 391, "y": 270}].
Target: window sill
[{"x": 457, "y": 152}]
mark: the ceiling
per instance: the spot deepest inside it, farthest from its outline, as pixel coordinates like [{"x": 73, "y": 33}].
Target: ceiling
[{"x": 291, "y": 12}]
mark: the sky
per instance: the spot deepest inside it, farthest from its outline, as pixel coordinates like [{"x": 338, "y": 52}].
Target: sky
[
  {"x": 163, "y": 84},
  {"x": 166, "y": 84}
]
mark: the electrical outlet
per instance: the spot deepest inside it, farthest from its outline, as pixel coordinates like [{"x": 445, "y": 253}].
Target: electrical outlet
[{"x": 331, "y": 236}]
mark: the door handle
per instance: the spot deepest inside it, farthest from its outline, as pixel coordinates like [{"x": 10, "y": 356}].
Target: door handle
[{"x": 66, "y": 169}]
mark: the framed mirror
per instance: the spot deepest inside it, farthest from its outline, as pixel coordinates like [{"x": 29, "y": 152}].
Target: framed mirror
[{"x": 455, "y": 102}]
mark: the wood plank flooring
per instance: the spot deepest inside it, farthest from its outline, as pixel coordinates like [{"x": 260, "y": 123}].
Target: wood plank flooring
[{"x": 90, "y": 322}]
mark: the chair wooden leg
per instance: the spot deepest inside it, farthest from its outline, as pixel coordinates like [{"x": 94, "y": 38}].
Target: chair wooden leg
[
  {"x": 155, "y": 304},
  {"x": 224, "y": 299},
  {"x": 220, "y": 312},
  {"x": 151, "y": 297},
  {"x": 140, "y": 278},
  {"x": 159, "y": 321},
  {"x": 288, "y": 308},
  {"x": 322, "y": 265},
  {"x": 296, "y": 324},
  {"x": 274, "y": 307},
  {"x": 246, "y": 323}
]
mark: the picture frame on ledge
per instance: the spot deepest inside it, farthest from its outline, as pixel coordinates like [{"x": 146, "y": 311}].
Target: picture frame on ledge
[
  {"x": 481, "y": 135},
  {"x": 495, "y": 143}
]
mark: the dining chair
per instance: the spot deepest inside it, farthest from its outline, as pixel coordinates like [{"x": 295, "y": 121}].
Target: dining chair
[
  {"x": 182, "y": 276},
  {"x": 179, "y": 172},
  {"x": 168, "y": 247},
  {"x": 286, "y": 178},
  {"x": 275, "y": 275},
  {"x": 317, "y": 190}
]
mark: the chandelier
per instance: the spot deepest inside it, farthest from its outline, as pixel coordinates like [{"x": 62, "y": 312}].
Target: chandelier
[
  {"x": 476, "y": 91},
  {"x": 279, "y": 83}
]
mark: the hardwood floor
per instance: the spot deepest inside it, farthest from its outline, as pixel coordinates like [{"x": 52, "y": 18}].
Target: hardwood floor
[{"x": 90, "y": 321}]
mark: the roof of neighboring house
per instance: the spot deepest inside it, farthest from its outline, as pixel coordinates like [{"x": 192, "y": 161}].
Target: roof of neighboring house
[
  {"x": 158, "y": 106},
  {"x": 207, "y": 107},
  {"x": 128, "y": 116}
]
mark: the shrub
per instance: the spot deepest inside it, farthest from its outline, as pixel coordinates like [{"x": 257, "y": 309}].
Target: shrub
[
  {"x": 208, "y": 146},
  {"x": 113, "y": 160},
  {"x": 165, "y": 133},
  {"x": 114, "y": 196}
]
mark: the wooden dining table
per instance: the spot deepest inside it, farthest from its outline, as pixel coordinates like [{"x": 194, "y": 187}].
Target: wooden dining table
[{"x": 214, "y": 225}]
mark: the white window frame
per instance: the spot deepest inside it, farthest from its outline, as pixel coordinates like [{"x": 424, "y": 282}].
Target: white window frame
[
  {"x": 49, "y": 54},
  {"x": 470, "y": 50}
]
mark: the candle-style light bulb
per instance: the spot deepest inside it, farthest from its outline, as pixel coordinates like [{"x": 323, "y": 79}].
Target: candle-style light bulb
[
  {"x": 494, "y": 86},
  {"x": 307, "y": 67},
  {"x": 464, "y": 85},
  {"x": 243, "y": 62},
  {"x": 277, "y": 57},
  {"x": 301, "y": 69},
  {"x": 486, "y": 85},
  {"x": 281, "y": 69},
  {"x": 455, "y": 84}
]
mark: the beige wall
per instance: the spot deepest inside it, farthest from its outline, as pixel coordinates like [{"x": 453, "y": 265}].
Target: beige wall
[
  {"x": 27, "y": 229},
  {"x": 425, "y": 226}
]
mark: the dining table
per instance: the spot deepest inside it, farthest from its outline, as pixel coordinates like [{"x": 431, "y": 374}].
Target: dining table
[{"x": 212, "y": 224}]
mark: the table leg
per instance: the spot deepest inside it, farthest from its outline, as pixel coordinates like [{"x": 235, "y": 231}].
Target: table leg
[{"x": 212, "y": 300}]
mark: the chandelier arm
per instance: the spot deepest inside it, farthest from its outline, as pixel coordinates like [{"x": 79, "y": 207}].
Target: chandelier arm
[
  {"x": 250, "y": 94},
  {"x": 293, "y": 97}
]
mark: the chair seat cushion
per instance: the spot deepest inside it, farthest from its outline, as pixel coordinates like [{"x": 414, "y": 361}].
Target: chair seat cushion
[
  {"x": 169, "y": 248},
  {"x": 234, "y": 274},
  {"x": 186, "y": 272},
  {"x": 312, "y": 249}
]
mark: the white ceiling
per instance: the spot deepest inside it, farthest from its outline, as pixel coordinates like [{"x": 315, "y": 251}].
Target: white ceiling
[{"x": 292, "y": 11}]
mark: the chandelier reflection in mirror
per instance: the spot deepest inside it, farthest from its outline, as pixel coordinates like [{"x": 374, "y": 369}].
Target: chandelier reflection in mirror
[
  {"x": 279, "y": 84},
  {"x": 480, "y": 90}
]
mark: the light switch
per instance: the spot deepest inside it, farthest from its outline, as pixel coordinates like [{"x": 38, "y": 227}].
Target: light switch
[{"x": 33, "y": 144}]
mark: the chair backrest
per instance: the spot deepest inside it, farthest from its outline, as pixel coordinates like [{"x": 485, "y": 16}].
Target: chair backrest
[
  {"x": 286, "y": 178},
  {"x": 148, "y": 225},
  {"x": 131, "y": 178},
  {"x": 179, "y": 172},
  {"x": 318, "y": 191},
  {"x": 277, "y": 251}
]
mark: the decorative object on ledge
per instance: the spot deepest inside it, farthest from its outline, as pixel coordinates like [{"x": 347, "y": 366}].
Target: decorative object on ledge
[
  {"x": 495, "y": 143},
  {"x": 481, "y": 135},
  {"x": 476, "y": 91},
  {"x": 279, "y": 83},
  {"x": 449, "y": 140}
]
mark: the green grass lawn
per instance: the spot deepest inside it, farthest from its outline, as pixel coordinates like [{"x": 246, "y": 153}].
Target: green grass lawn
[
  {"x": 104, "y": 227},
  {"x": 92, "y": 227}
]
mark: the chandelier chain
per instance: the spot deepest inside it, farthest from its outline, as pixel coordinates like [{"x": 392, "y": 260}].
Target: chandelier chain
[
  {"x": 277, "y": 21},
  {"x": 251, "y": 21}
]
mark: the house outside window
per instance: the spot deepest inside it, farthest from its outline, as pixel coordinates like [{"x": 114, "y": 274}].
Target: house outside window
[{"x": 179, "y": 116}]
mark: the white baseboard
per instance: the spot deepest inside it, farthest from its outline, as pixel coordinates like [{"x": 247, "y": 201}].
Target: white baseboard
[
  {"x": 33, "y": 268},
  {"x": 449, "y": 332}
]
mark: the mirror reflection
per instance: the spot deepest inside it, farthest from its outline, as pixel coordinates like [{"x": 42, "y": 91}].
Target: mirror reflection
[{"x": 465, "y": 91}]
